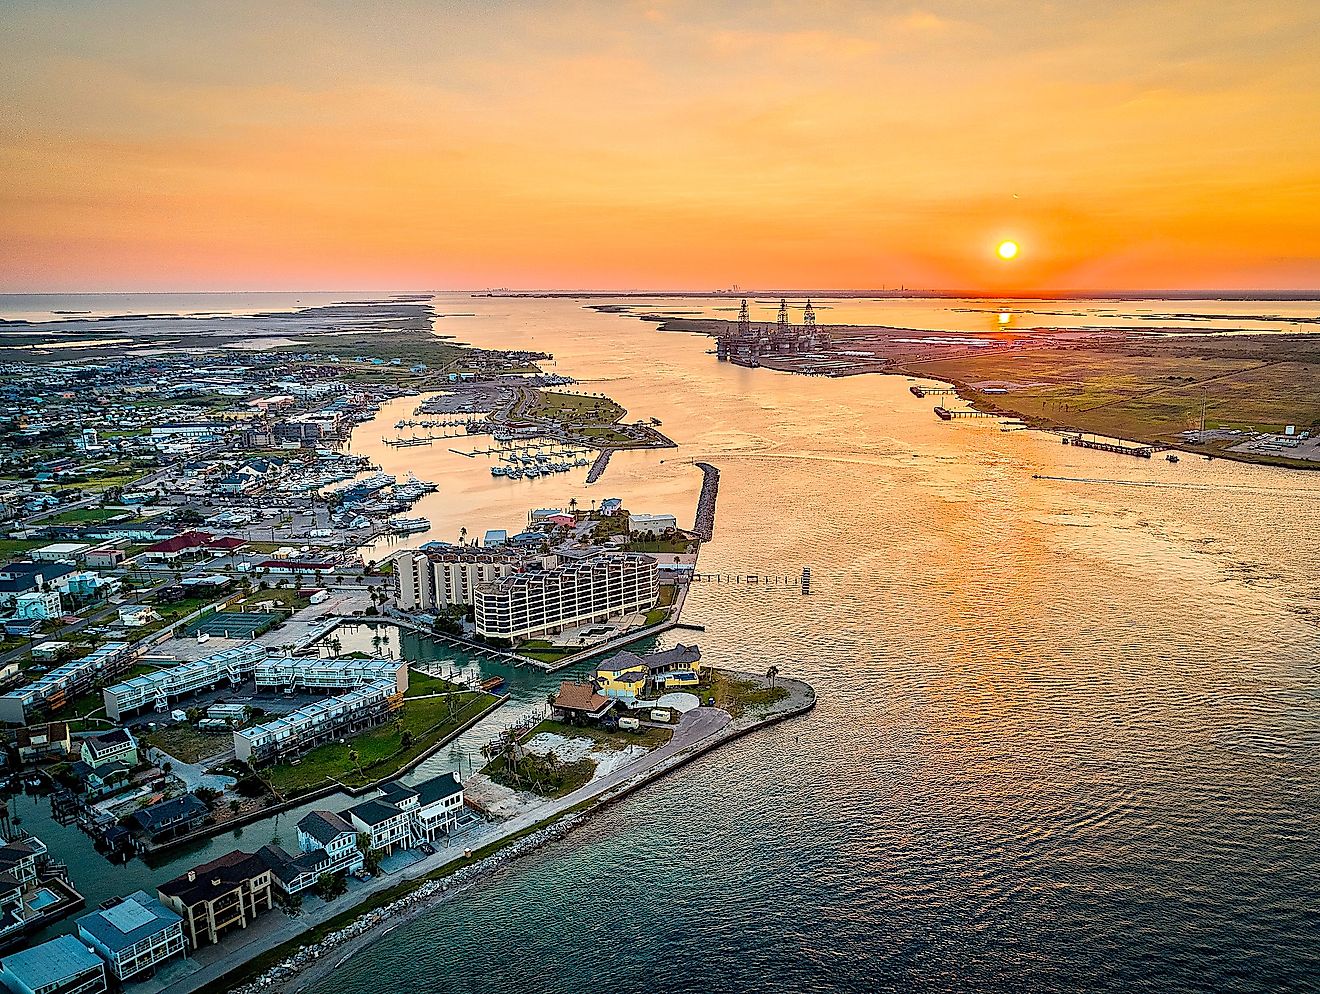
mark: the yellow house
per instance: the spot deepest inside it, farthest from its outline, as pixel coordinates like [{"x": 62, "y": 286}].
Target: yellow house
[
  {"x": 622, "y": 681},
  {"x": 631, "y": 676}
]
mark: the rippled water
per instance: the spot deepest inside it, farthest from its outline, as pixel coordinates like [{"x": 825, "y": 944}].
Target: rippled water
[{"x": 1067, "y": 736}]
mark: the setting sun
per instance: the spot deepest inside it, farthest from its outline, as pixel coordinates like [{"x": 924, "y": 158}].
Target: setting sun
[{"x": 1008, "y": 250}]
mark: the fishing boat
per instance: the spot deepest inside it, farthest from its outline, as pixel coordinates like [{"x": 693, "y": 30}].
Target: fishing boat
[{"x": 492, "y": 683}]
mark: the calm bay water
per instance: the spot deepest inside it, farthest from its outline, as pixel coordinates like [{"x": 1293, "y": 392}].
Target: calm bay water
[{"x": 1067, "y": 736}]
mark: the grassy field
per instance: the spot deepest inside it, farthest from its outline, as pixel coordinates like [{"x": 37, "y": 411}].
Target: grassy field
[
  {"x": 570, "y": 409},
  {"x": 737, "y": 695},
  {"x": 543, "y": 650},
  {"x": 421, "y": 684},
  {"x": 83, "y": 515},
  {"x": 1149, "y": 396},
  {"x": 380, "y": 752},
  {"x": 676, "y": 544}
]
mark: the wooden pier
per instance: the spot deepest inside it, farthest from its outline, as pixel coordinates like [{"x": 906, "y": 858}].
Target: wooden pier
[
  {"x": 929, "y": 391},
  {"x": 947, "y": 415},
  {"x": 1140, "y": 451}
]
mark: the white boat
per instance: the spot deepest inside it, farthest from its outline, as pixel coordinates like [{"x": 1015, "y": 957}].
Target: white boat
[{"x": 407, "y": 526}]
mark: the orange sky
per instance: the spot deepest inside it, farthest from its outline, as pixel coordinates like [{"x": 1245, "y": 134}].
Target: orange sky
[{"x": 1123, "y": 144}]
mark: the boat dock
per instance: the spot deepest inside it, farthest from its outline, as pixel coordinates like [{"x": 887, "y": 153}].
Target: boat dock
[{"x": 928, "y": 391}]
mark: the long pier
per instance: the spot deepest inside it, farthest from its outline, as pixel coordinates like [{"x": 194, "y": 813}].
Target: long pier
[
  {"x": 598, "y": 467},
  {"x": 1140, "y": 451},
  {"x": 947, "y": 415},
  {"x": 710, "y": 489}
]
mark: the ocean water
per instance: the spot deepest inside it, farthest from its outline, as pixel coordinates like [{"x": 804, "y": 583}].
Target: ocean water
[
  {"x": 1069, "y": 715},
  {"x": 1068, "y": 728}
]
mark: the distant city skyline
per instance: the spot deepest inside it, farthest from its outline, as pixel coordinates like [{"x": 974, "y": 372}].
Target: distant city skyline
[{"x": 1129, "y": 147}]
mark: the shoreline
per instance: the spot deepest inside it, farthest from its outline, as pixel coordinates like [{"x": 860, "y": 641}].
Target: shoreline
[
  {"x": 1065, "y": 345},
  {"x": 302, "y": 963}
]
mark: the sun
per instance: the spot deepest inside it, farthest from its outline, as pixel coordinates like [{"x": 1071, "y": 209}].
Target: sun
[{"x": 1008, "y": 250}]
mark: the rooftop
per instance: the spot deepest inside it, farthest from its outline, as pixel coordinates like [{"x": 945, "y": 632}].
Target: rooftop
[
  {"x": 51, "y": 962},
  {"x": 130, "y": 921}
]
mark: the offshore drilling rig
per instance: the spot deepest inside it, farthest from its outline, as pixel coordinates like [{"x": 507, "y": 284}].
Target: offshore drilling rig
[{"x": 746, "y": 343}]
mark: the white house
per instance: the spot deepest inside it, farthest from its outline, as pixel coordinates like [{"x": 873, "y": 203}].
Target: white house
[
  {"x": 38, "y": 605},
  {"x": 328, "y": 832},
  {"x": 114, "y": 746},
  {"x": 651, "y": 522},
  {"x": 388, "y": 826}
]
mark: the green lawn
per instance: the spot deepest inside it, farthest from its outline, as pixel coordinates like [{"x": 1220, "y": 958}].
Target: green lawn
[
  {"x": 421, "y": 684},
  {"x": 656, "y": 615},
  {"x": 380, "y": 752},
  {"x": 82, "y": 515},
  {"x": 677, "y": 544},
  {"x": 737, "y": 695}
]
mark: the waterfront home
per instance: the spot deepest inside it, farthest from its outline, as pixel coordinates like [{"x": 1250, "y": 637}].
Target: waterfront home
[
  {"x": 628, "y": 675},
  {"x": 611, "y": 506},
  {"x": 22, "y": 858},
  {"x": 309, "y": 726},
  {"x": 293, "y": 874},
  {"x": 434, "y": 805},
  {"x": 37, "y": 742},
  {"x": 170, "y": 819},
  {"x": 579, "y": 702},
  {"x": 65, "y": 682},
  {"x": 655, "y": 523},
  {"x": 215, "y": 897},
  {"x": 328, "y": 832},
  {"x": 102, "y": 780},
  {"x": 134, "y": 935},
  {"x": 61, "y": 966},
  {"x": 388, "y": 826},
  {"x": 114, "y": 746}
]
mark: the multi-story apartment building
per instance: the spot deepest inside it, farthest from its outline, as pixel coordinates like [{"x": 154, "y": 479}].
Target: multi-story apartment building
[
  {"x": 448, "y": 576},
  {"x": 293, "y": 674},
  {"x": 156, "y": 691},
  {"x": 228, "y": 892},
  {"x": 542, "y": 602},
  {"x": 64, "y": 683},
  {"x": 133, "y": 936},
  {"x": 314, "y": 724}
]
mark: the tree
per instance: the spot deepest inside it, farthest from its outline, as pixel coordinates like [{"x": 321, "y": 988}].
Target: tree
[
  {"x": 462, "y": 536},
  {"x": 331, "y": 885},
  {"x": 370, "y": 856},
  {"x": 772, "y": 674}
]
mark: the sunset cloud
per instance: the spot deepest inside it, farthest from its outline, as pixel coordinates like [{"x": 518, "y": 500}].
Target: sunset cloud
[{"x": 154, "y": 145}]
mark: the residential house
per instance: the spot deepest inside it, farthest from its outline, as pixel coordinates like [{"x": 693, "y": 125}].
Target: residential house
[
  {"x": 388, "y": 826},
  {"x": 18, "y": 578},
  {"x": 133, "y": 936},
  {"x": 37, "y": 742},
  {"x": 628, "y": 676},
  {"x": 172, "y": 818},
  {"x": 656, "y": 523},
  {"x": 137, "y": 615},
  {"x": 114, "y": 746},
  {"x": 38, "y": 605},
  {"x": 215, "y": 897},
  {"x": 435, "y": 805},
  {"x": 579, "y": 702},
  {"x": 62, "y": 965},
  {"x": 325, "y": 831}
]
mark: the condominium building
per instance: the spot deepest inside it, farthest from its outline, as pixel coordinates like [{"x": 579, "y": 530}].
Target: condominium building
[
  {"x": 294, "y": 674},
  {"x": 215, "y": 897},
  {"x": 541, "y": 602},
  {"x": 64, "y": 683},
  {"x": 317, "y": 723},
  {"x": 133, "y": 936},
  {"x": 430, "y": 579},
  {"x": 156, "y": 691}
]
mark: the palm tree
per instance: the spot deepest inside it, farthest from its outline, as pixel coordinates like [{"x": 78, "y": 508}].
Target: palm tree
[
  {"x": 572, "y": 505},
  {"x": 462, "y": 536},
  {"x": 772, "y": 674}
]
